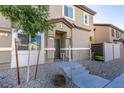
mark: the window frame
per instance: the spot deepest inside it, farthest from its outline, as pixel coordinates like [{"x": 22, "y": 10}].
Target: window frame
[
  {"x": 38, "y": 34},
  {"x": 63, "y": 12},
  {"x": 27, "y": 45},
  {"x": 86, "y": 14}
]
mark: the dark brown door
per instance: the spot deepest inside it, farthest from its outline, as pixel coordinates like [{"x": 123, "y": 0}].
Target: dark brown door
[{"x": 57, "y": 47}]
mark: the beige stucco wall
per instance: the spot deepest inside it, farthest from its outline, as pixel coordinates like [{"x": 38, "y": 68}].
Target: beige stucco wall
[
  {"x": 104, "y": 34},
  {"x": 80, "y": 55},
  {"x": 50, "y": 44},
  {"x": 60, "y": 27},
  {"x": 56, "y": 11},
  {"x": 5, "y": 42},
  {"x": 122, "y": 36},
  {"x": 5, "y": 57},
  {"x": 80, "y": 39},
  {"x": 101, "y": 34},
  {"x": 64, "y": 28},
  {"x": 4, "y": 23}
]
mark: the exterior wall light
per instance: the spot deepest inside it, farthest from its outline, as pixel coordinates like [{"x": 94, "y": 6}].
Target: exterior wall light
[{"x": 4, "y": 34}]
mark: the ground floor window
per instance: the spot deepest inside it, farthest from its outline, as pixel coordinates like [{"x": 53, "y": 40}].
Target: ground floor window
[
  {"x": 24, "y": 42},
  {"x": 36, "y": 42}
]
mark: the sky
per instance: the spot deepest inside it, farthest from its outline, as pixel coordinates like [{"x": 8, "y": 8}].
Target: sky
[{"x": 111, "y": 14}]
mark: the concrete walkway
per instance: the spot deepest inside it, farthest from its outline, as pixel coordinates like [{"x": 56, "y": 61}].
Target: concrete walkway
[
  {"x": 80, "y": 76},
  {"x": 117, "y": 82}
]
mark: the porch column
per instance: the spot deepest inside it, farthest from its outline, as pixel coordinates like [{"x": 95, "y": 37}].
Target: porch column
[
  {"x": 69, "y": 53},
  {"x": 13, "y": 60}
]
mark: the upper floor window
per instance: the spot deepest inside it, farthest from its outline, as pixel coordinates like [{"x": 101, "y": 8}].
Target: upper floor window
[
  {"x": 86, "y": 19},
  {"x": 69, "y": 12},
  {"x": 113, "y": 34}
]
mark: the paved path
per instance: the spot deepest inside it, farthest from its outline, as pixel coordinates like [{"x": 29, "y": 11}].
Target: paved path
[
  {"x": 117, "y": 82},
  {"x": 81, "y": 77}
]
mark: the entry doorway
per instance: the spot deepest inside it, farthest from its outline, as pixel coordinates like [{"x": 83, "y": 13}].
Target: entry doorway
[
  {"x": 60, "y": 42},
  {"x": 57, "y": 48}
]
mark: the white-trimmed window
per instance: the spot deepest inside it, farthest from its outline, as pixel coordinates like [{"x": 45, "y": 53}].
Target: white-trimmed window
[
  {"x": 86, "y": 19},
  {"x": 24, "y": 42},
  {"x": 69, "y": 12}
]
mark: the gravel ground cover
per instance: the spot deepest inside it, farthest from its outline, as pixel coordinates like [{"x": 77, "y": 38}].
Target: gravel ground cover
[
  {"x": 108, "y": 70},
  {"x": 46, "y": 74}
]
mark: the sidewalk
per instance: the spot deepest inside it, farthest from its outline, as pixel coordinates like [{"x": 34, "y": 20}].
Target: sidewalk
[
  {"x": 117, "y": 82},
  {"x": 81, "y": 77}
]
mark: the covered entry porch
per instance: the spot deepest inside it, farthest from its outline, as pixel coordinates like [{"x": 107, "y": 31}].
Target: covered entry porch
[
  {"x": 58, "y": 42},
  {"x": 60, "y": 50}
]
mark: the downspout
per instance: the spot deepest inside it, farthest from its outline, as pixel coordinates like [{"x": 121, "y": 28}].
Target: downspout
[
  {"x": 71, "y": 43},
  {"x": 46, "y": 45}
]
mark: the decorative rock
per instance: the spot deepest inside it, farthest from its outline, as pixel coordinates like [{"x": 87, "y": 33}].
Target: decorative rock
[{"x": 45, "y": 77}]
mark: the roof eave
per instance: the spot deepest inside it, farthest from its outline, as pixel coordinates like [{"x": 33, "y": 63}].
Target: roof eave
[
  {"x": 86, "y": 9},
  {"x": 111, "y": 25},
  {"x": 57, "y": 20}
]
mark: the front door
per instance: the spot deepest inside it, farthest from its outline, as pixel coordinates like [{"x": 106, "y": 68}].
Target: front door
[{"x": 57, "y": 48}]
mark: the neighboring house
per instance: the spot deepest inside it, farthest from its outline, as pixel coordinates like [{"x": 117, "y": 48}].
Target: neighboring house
[
  {"x": 70, "y": 39},
  {"x": 5, "y": 41},
  {"x": 108, "y": 42},
  {"x": 107, "y": 33}
]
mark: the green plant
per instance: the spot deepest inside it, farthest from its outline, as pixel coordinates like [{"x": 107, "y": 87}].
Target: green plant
[
  {"x": 99, "y": 58},
  {"x": 30, "y": 19}
]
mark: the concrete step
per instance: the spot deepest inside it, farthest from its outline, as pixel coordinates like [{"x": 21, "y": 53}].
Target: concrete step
[
  {"x": 75, "y": 74},
  {"x": 69, "y": 65},
  {"x": 89, "y": 81},
  {"x": 76, "y": 71},
  {"x": 81, "y": 77}
]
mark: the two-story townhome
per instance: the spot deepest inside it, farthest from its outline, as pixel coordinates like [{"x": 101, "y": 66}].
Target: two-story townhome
[
  {"x": 107, "y": 33},
  {"x": 70, "y": 39},
  {"x": 74, "y": 27}
]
